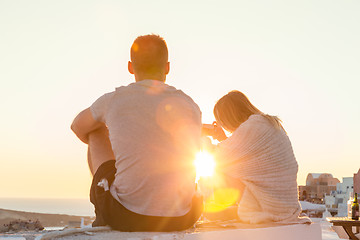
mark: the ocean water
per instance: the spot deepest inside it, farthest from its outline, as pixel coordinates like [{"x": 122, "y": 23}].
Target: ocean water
[{"x": 78, "y": 207}]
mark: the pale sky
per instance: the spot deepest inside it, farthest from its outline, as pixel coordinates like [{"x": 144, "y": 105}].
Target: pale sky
[{"x": 298, "y": 60}]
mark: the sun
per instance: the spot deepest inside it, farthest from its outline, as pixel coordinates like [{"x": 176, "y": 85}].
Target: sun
[{"x": 205, "y": 165}]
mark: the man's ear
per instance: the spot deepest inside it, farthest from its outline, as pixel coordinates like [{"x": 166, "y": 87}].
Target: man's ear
[
  {"x": 130, "y": 67},
  {"x": 167, "y": 68}
]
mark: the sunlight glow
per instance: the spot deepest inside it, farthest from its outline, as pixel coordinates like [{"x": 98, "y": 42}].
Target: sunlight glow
[
  {"x": 221, "y": 199},
  {"x": 205, "y": 165}
]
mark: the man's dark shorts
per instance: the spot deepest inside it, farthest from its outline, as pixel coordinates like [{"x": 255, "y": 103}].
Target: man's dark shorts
[{"x": 110, "y": 212}]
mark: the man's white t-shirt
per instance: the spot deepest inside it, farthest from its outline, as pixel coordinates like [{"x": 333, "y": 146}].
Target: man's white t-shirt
[{"x": 155, "y": 133}]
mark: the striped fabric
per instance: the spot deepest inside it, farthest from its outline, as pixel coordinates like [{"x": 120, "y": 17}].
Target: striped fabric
[{"x": 261, "y": 157}]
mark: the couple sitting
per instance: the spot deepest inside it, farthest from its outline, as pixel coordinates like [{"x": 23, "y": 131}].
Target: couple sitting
[{"x": 142, "y": 141}]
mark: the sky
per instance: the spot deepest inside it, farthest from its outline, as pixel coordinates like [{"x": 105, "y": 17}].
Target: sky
[{"x": 298, "y": 60}]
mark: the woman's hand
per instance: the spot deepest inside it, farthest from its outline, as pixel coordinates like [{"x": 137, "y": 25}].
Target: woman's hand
[
  {"x": 207, "y": 129},
  {"x": 219, "y": 133},
  {"x": 213, "y": 130}
]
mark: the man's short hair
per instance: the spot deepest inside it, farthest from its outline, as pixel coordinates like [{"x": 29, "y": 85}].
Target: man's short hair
[{"x": 149, "y": 54}]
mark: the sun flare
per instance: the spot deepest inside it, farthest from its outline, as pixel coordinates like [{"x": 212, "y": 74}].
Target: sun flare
[{"x": 205, "y": 165}]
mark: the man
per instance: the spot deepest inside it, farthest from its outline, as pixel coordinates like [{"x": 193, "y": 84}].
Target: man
[{"x": 142, "y": 141}]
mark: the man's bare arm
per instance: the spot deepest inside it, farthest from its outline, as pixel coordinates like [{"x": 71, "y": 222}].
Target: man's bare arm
[{"x": 84, "y": 123}]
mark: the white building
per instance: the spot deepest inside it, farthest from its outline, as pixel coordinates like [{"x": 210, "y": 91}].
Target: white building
[{"x": 337, "y": 200}]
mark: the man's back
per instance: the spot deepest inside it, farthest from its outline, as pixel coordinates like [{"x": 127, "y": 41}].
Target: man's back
[{"x": 154, "y": 132}]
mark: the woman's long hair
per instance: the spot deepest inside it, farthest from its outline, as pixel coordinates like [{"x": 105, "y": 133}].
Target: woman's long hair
[{"x": 235, "y": 108}]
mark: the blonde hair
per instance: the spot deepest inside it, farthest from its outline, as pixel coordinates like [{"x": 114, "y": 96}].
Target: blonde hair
[{"x": 235, "y": 108}]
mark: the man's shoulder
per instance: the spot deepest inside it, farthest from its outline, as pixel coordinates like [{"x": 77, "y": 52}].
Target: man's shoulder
[
  {"x": 186, "y": 97},
  {"x": 151, "y": 87},
  {"x": 105, "y": 97}
]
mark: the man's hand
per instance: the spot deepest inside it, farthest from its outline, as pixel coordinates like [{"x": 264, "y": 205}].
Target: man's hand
[{"x": 83, "y": 124}]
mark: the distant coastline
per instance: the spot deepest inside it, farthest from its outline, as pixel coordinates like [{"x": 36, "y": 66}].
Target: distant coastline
[
  {"x": 76, "y": 207},
  {"x": 47, "y": 220}
]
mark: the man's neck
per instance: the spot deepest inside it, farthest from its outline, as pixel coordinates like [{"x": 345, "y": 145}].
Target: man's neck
[{"x": 161, "y": 78}]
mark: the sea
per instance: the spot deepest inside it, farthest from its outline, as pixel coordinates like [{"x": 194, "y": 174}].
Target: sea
[{"x": 77, "y": 207}]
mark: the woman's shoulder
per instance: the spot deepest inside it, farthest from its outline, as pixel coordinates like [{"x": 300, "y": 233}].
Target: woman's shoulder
[
  {"x": 254, "y": 120},
  {"x": 263, "y": 121},
  {"x": 257, "y": 118},
  {"x": 255, "y": 124}
]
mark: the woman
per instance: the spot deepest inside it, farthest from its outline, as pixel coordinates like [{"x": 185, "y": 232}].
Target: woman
[{"x": 258, "y": 160}]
